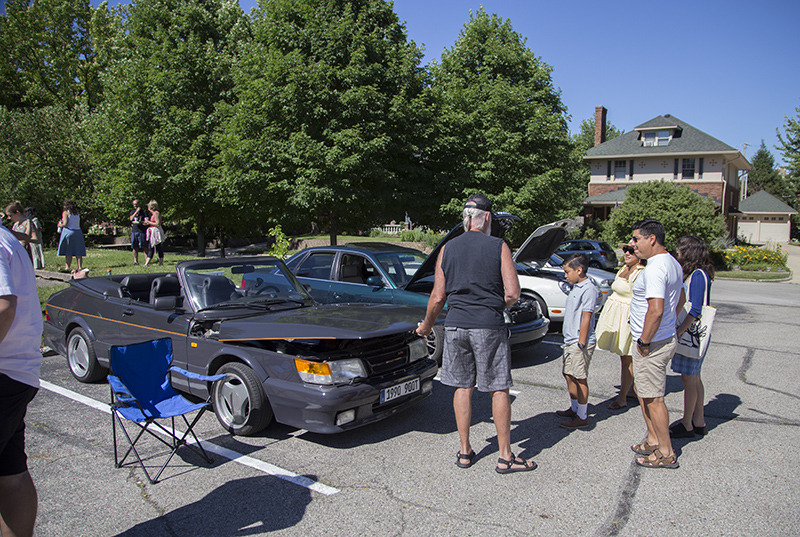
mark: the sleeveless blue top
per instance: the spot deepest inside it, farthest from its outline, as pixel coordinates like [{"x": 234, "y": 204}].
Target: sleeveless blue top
[{"x": 473, "y": 281}]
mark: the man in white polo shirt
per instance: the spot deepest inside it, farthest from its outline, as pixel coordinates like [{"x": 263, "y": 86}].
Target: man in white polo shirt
[
  {"x": 20, "y": 360},
  {"x": 653, "y": 316}
]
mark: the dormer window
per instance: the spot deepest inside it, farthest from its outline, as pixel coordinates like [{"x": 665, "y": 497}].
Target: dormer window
[{"x": 655, "y": 138}]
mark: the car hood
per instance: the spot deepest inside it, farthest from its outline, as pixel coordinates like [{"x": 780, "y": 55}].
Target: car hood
[
  {"x": 542, "y": 243},
  {"x": 334, "y": 321},
  {"x": 501, "y": 223}
]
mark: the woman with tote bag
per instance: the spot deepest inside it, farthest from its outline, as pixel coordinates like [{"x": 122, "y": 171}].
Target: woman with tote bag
[{"x": 692, "y": 253}]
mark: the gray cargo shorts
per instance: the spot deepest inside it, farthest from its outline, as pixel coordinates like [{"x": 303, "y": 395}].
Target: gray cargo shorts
[{"x": 476, "y": 356}]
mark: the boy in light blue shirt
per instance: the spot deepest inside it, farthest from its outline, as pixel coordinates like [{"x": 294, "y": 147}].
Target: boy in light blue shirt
[{"x": 579, "y": 341}]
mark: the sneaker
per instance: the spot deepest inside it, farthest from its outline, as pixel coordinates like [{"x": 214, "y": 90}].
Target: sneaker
[
  {"x": 575, "y": 423},
  {"x": 568, "y": 413},
  {"x": 135, "y": 262}
]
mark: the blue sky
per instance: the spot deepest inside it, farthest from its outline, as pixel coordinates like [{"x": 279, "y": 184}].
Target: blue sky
[{"x": 727, "y": 67}]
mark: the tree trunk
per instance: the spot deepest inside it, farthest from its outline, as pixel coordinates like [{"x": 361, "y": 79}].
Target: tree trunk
[
  {"x": 201, "y": 235},
  {"x": 333, "y": 221},
  {"x": 221, "y": 242}
]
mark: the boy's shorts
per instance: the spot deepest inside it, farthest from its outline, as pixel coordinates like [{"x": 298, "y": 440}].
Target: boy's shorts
[
  {"x": 479, "y": 356},
  {"x": 650, "y": 372},
  {"x": 138, "y": 241},
  {"x": 576, "y": 361},
  {"x": 14, "y": 399}
]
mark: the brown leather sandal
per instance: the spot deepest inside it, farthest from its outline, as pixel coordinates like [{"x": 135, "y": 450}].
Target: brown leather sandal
[
  {"x": 644, "y": 448},
  {"x": 660, "y": 461}
]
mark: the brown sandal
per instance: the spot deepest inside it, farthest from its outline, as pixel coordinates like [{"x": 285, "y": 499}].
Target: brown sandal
[
  {"x": 644, "y": 448},
  {"x": 660, "y": 461}
]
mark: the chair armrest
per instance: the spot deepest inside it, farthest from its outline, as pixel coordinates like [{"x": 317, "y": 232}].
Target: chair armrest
[
  {"x": 196, "y": 376},
  {"x": 119, "y": 390}
]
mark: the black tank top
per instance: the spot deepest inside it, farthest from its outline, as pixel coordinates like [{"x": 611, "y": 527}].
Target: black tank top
[{"x": 473, "y": 281}]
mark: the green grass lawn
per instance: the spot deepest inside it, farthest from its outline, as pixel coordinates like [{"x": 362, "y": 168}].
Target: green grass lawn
[{"x": 753, "y": 275}]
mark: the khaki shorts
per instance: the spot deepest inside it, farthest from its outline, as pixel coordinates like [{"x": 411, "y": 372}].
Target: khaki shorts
[
  {"x": 576, "y": 361},
  {"x": 650, "y": 372}
]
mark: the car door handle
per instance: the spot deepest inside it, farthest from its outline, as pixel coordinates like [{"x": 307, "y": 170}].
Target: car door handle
[{"x": 127, "y": 312}]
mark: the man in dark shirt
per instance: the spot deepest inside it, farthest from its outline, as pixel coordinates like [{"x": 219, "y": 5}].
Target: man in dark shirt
[
  {"x": 138, "y": 230},
  {"x": 476, "y": 277}
]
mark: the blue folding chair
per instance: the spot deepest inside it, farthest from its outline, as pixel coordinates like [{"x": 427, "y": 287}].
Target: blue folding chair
[{"x": 141, "y": 393}]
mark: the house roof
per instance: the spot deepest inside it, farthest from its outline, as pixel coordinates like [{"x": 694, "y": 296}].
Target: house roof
[
  {"x": 607, "y": 198},
  {"x": 686, "y": 140},
  {"x": 764, "y": 202}
]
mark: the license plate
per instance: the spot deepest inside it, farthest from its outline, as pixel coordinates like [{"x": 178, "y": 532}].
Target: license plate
[{"x": 399, "y": 390}]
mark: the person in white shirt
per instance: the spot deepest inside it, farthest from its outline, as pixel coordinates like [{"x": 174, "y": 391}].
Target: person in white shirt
[
  {"x": 20, "y": 362},
  {"x": 653, "y": 316}
]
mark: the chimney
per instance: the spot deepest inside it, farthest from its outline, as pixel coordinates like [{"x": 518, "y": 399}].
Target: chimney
[{"x": 599, "y": 125}]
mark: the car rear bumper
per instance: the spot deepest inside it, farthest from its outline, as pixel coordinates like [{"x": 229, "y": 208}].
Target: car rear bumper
[{"x": 316, "y": 408}]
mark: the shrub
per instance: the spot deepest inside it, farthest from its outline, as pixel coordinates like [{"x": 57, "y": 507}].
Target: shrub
[{"x": 430, "y": 238}]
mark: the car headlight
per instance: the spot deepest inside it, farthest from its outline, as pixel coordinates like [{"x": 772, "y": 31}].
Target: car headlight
[
  {"x": 417, "y": 350},
  {"x": 606, "y": 283},
  {"x": 336, "y": 372},
  {"x": 566, "y": 287}
]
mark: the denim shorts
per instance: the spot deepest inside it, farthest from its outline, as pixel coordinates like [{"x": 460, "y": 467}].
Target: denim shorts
[{"x": 476, "y": 357}]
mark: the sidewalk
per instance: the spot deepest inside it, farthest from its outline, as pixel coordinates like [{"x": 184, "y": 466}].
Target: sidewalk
[{"x": 793, "y": 261}]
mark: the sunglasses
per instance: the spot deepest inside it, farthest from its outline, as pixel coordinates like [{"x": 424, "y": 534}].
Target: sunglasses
[{"x": 627, "y": 249}]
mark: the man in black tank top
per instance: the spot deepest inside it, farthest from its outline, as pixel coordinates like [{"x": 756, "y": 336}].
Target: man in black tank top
[{"x": 476, "y": 277}]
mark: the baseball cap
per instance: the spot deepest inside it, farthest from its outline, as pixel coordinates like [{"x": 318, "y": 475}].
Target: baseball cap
[{"x": 479, "y": 201}]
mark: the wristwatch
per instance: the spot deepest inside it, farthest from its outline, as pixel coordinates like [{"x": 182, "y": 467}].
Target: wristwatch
[
  {"x": 581, "y": 346},
  {"x": 642, "y": 343}
]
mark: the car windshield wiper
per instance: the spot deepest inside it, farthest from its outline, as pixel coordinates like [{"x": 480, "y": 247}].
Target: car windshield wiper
[{"x": 222, "y": 305}]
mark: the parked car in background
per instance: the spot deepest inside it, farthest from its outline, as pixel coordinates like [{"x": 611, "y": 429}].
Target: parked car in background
[
  {"x": 316, "y": 367},
  {"x": 391, "y": 274},
  {"x": 544, "y": 283},
  {"x": 600, "y": 254},
  {"x": 601, "y": 278}
]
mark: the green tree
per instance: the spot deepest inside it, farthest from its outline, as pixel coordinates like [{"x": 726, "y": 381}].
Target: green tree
[
  {"x": 584, "y": 140},
  {"x": 681, "y": 211},
  {"x": 169, "y": 73},
  {"x": 327, "y": 122},
  {"x": 764, "y": 176},
  {"x": 501, "y": 127},
  {"x": 790, "y": 149},
  {"x": 47, "y": 55}
]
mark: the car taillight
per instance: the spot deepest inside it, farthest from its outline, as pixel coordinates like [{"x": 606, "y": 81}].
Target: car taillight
[{"x": 604, "y": 254}]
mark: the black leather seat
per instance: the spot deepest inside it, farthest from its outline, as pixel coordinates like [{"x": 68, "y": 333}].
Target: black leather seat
[
  {"x": 217, "y": 289},
  {"x": 137, "y": 286},
  {"x": 164, "y": 286}
]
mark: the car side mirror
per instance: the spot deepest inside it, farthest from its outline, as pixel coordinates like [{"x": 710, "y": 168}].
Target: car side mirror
[{"x": 375, "y": 281}]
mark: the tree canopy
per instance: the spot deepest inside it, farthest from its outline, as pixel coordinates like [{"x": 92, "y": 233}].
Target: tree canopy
[
  {"x": 681, "y": 210},
  {"x": 501, "y": 126}
]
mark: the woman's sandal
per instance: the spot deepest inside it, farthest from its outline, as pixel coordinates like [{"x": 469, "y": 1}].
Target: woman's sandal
[
  {"x": 469, "y": 458},
  {"x": 527, "y": 466},
  {"x": 616, "y": 406},
  {"x": 644, "y": 448},
  {"x": 660, "y": 461}
]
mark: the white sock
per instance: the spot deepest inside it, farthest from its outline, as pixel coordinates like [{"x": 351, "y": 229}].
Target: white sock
[
  {"x": 583, "y": 411},
  {"x": 573, "y": 404}
]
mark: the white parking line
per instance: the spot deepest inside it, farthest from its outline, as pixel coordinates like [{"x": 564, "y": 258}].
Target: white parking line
[{"x": 229, "y": 454}]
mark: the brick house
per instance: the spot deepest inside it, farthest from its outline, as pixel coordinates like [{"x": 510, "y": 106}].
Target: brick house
[{"x": 663, "y": 148}]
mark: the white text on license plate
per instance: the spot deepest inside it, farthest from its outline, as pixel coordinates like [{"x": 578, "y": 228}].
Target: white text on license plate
[{"x": 399, "y": 390}]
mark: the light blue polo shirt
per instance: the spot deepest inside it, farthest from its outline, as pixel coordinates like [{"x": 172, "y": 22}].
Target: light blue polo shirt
[{"x": 583, "y": 297}]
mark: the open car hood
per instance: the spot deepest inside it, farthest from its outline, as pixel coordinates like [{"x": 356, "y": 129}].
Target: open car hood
[
  {"x": 333, "y": 321},
  {"x": 542, "y": 243},
  {"x": 501, "y": 223}
]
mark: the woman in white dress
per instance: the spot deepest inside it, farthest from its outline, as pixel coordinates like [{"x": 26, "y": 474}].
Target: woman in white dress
[{"x": 612, "y": 330}]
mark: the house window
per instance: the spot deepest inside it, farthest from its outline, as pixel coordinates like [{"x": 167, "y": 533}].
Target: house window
[
  {"x": 656, "y": 138},
  {"x": 619, "y": 169},
  {"x": 688, "y": 168}
]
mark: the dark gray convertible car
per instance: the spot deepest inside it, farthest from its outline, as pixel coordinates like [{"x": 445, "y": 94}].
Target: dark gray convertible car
[{"x": 324, "y": 368}]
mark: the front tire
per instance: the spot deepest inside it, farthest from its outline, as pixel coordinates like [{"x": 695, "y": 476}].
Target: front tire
[
  {"x": 239, "y": 401},
  {"x": 82, "y": 359}
]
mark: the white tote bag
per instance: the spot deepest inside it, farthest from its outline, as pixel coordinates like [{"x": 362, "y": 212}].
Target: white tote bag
[{"x": 694, "y": 342}]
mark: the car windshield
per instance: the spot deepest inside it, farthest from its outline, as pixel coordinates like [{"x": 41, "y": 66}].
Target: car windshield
[
  {"x": 258, "y": 284},
  {"x": 400, "y": 266}
]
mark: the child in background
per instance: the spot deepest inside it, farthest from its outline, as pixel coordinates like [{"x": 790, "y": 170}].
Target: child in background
[{"x": 579, "y": 341}]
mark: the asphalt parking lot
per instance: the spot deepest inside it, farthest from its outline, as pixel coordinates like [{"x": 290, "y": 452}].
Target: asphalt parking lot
[{"x": 398, "y": 477}]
